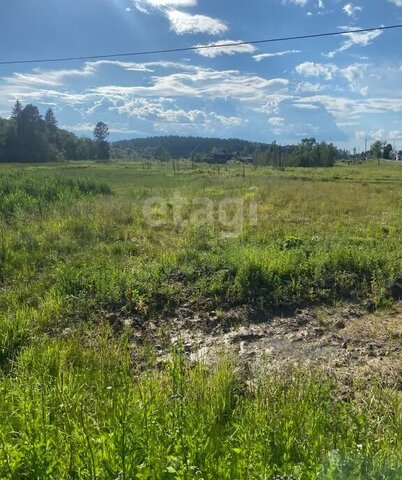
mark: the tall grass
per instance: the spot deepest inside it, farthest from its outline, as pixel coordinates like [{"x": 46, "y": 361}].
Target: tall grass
[{"x": 73, "y": 412}]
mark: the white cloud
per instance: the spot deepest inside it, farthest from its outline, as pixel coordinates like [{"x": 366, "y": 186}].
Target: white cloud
[
  {"x": 54, "y": 78},
  {"x": 272, "y": 103},
  {"x": 360, "y": 39},
  {"x": 301, "y": 3},
  {"x": 277, "y": 121},
  {"x": 49, "y": 77},
  {"x": 216, "y": 51},
  {"x": 380, "y": 134},
  {"x": 202, "y": 82},
  {"x": 159, "y": 109},
  {"x": 351, "y": 9},
  {"x": 306, "y": 106},
  {"x": 163, "y": 111},
  {"x": 229, "y": 121},
  {"x": 142, "y": 5},
  {"x": 304, "y": 87},
  {"x": 161, "y": 98},
  {"x": 187, "y": 80},
  {"x": 398, "y": 3},
  {"x": 182, "y": 23},
  {"x": 262, "y": 56},
  {"x": 311, "y": 69},
  {"x": 89, "y": 128},
  {"x": 355, "y": 75},
  {"x": 345, "y": 109}
]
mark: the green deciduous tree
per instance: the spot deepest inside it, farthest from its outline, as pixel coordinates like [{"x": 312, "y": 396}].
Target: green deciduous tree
[
  {"x": 309, "y": 153},
  {"x": 377, "y": 149}
]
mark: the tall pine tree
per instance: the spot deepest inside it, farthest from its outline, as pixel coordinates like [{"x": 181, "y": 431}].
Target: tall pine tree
[
  {"x": 101, "y": 132},
  {"x": 17, "y": 109},
  {"x": 50, "y": 119}
]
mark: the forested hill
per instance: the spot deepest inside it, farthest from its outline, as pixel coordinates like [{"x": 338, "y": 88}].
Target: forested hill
[{"x": 177, "y": 146}]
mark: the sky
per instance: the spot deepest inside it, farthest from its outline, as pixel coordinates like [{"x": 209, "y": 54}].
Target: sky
[{"x": 340, "y": 89}]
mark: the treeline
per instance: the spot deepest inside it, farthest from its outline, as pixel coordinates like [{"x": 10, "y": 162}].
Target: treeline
[
  {"x": 181, "y": 147},
  {"x": 31, "y": 138},
  {"x": 308, "y": 153}
]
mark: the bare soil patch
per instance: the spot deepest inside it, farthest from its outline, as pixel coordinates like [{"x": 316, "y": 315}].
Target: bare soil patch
[{"x": 348, "y": 341}]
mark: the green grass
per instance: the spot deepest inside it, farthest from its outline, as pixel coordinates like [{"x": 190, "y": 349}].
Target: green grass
[
  {"x": 74, "y": 245},
  {"x": 74, "y": 412}
]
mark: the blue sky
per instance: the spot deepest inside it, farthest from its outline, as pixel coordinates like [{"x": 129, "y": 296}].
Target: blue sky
[{"x": 340, "y": 89}]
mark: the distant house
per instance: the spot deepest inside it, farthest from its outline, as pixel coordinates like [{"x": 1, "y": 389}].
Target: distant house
[
  {"x": 247, "y": 159},
  {"x": 222, "y": 156}
]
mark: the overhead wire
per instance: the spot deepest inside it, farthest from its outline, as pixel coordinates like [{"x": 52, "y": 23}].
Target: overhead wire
[{"x": 198, "y": 47}]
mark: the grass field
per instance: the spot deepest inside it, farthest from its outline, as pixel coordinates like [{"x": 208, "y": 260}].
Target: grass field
[{"x": 81, "y": 245}]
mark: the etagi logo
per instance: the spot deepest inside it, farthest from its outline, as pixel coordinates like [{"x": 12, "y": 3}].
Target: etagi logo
[{"x": 230, "y": 214}]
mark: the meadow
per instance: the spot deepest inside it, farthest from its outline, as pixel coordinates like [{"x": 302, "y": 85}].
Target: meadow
[{"x": 82, "y": 244}]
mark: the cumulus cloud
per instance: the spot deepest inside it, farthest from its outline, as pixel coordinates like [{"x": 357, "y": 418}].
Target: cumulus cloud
[
  {"x": 354, "y": 74},
  {"x": 159, "y": 109},
  {"x": 272, "y": 103},
  {"x": 182, "y": 23},
  {"x": 312, "y": 69},
  {"x": 351, "y": 9},
  {"x": 304, "y": 87},
  {"x": 164, "y": 112},
  {"x": 397, "y": 2},
  {"x": 262, "y": 56},
  {"x": 228, "y": 121},
  {"x": 217, "y": 51}
]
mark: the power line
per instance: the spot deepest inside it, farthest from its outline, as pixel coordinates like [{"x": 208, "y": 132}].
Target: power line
[{"x": 199, "y": 47}]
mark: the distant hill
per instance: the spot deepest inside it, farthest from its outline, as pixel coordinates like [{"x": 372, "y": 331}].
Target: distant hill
[{"x": 177, "y": 146}]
